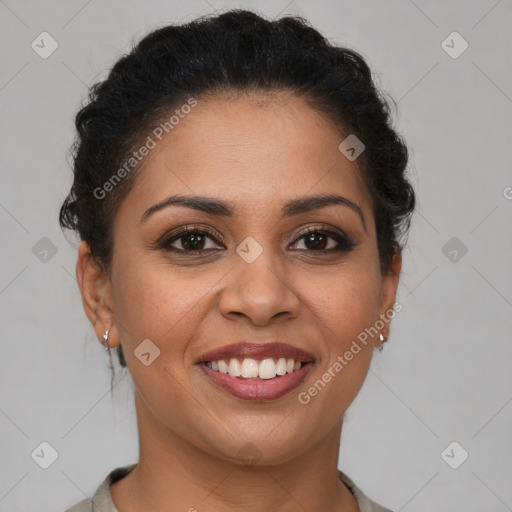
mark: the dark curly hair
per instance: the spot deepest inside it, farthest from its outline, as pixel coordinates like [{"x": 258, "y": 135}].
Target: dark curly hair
[{"x": 235, "y": 51}]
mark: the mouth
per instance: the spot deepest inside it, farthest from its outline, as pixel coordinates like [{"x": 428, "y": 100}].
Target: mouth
[{"x": 260, "y": 372}]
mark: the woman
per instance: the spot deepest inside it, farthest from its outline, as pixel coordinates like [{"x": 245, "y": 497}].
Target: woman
[{"x": 241, "y": 200}]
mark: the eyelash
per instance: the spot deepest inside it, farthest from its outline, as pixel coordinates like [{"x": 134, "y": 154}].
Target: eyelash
[{"x": 344, "y": 243}]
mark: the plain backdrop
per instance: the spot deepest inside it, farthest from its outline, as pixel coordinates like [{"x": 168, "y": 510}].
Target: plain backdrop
[{"x": 445, "y": 374}]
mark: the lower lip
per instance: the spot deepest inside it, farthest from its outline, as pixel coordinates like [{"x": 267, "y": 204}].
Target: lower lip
[{"x": 257, "y": 389}]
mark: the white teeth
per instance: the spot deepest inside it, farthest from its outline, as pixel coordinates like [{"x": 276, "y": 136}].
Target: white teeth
[
  {"x": 234, "y": 368},
  {"x": 267, "y": 369},
  {"x": 253, "y": 368},
  {"x": 223, "y": 367},
  {"x": 281, "y": 366},
  {"x": 249, "y": 368}
]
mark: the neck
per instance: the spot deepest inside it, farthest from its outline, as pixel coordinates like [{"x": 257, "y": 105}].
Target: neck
[{"x": 173, "y": 474}]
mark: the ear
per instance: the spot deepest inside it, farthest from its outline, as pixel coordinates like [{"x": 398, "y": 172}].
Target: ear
[
  {"x": 95, "y": 288},
  {"x": 389, "y": 288}
]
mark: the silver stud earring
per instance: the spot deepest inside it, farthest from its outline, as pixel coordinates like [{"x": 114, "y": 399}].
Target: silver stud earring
[
  {"x": 105, "y": 339},
  {"x": 382, "y": 341}
]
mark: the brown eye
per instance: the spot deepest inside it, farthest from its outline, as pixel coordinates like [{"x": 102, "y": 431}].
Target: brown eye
[
  {"x": 324, "y": 241},
  {"x": 192, "y": 241}
]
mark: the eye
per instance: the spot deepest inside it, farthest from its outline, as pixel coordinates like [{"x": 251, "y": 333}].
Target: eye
[
  {"x": 190, "y": 240},
  {"x": 322, "y": 241}
]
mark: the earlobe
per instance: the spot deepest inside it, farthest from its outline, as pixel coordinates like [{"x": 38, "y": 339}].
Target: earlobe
[
  {"x": 95, "y": 289},
  {"x": 389, "y": 288}
]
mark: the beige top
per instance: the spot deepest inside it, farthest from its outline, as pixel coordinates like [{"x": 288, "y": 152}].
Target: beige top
[{"x": 102, "y": 499}]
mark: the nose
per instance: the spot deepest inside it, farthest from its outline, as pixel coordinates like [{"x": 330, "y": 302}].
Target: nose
[{"x": 258, "y": 292}]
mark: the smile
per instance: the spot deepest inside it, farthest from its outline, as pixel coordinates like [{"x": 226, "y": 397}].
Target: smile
[
  {"x": 274, "y": 369},
  {"x": 252, "y": 368}
]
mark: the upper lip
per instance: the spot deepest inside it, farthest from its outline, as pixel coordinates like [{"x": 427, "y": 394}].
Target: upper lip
[{"x": 271, "y": 349}]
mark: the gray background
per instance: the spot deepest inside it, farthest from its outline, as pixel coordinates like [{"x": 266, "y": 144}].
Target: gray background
[{"x": 444, "y": 375}]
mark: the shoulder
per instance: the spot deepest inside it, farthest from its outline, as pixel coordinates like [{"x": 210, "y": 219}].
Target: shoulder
[
  {"x": 83, "y": 506},
  {"x": 102, "y": 500},
  {"x": 365, "y": 504}
]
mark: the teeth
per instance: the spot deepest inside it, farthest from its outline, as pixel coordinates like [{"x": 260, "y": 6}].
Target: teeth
[
  {"x": 267, "y": 369},
  {"x": 252, "y": 368},
  {"x": 223, "y": 367},
  {"x": 234, "y": 368},
  {"x": 281, "y": 366},
  {"x": 249, "y": 368}
]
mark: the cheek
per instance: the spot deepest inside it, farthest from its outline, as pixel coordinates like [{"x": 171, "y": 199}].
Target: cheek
[
  {"x": 345, "y": 313},
  {"x": 152, "y": 304},
  {"x": 345, "y": 301},
  {"x": 345, "y": 306},
  {"x": 156, "y": 301}
]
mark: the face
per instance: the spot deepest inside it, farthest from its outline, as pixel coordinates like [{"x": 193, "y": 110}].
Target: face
[{"x": 261, "y": 267}]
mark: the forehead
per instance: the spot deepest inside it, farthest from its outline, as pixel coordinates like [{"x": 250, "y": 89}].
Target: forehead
[{"x": 253, "y": 151}]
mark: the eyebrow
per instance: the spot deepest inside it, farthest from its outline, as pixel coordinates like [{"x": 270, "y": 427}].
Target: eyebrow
[{"x": 226, "y": 209}]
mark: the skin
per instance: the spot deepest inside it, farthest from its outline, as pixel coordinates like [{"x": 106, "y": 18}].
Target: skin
[{"x": 256, "y": 153}]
